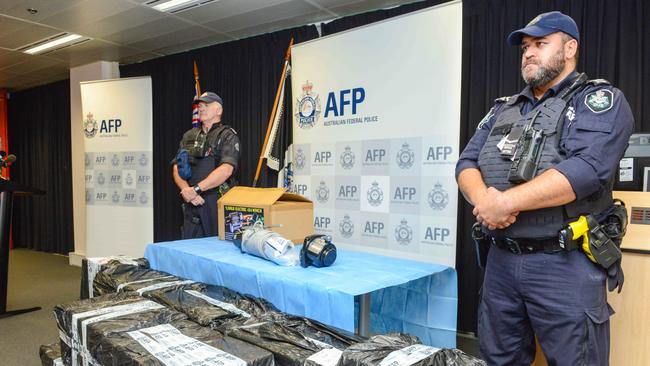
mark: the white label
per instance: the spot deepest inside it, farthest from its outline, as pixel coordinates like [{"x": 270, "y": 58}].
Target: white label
[
  {"x": 158, "y": 286},
  {"x": 173, "y": 348},
  {"x": 626, "y": 163},
  {"x": 326, "y": 357},
  {"x": 278, "y": 243},
  {"x": 58, "y": 362},
  {"x": 228, "y": 307},
  {"x": 122, "y": 285},
  {"x": 408, "y": 355}
]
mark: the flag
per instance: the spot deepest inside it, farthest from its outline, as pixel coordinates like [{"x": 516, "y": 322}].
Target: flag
[
  {"x": 195, "y": 103},
  {"x": 278, "y": 130},
  {"x": 281, "y": 130}
]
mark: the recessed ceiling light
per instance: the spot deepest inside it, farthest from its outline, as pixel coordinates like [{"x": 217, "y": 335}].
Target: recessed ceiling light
[
  {"x": 171, "y": 4},
  {"x": 51, "y": 44}
]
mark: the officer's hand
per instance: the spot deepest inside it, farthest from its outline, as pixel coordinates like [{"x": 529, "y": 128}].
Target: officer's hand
[
  {"x": 198, "y": 201},
  {"x": 188, "y": 194},
  {"x": 492, "y": 210}
]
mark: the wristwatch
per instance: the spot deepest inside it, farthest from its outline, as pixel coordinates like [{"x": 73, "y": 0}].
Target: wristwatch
[{"x": 197, "y": 189}]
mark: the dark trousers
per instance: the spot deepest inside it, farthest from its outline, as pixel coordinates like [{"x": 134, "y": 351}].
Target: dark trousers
[
  {"x": 200, "y": 221},
  {"x": 559, "y": 297}
]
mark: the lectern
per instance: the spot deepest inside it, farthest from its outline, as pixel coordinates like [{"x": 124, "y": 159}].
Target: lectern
[{"x": 7, "y": 191}]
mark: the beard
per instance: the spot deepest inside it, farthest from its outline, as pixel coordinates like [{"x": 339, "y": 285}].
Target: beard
[{"x": 545, "y": 73}]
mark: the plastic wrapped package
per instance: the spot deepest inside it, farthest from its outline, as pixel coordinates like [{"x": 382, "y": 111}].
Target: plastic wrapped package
[
  {"x": 289, "y": 347},
  {"x": 50, "y": 354},
  {"x": 91, "y": 266},
  {"x": 197, "y": 306},
  {"x": 319, "y": 332},
  {"x": 250, "y": 304},
  {"x": 121, "y": 310},
  {"x": 178, "y": 342},
  {"x": 129, "y": 278},
  {"x": 397, "y": 349}
]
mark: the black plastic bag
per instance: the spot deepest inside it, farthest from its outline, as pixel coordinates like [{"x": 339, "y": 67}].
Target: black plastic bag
[
  {"x": 50, "y": 354},
  {"x": 129, "y": 278},
  {"x": 376, "y": 349},
  {"x": 90, "y": 267}
]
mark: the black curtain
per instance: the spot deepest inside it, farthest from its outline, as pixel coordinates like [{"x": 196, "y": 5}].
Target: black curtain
[
  {"x": 245, "y": 74},
  {"x": 39, "y": 135}
]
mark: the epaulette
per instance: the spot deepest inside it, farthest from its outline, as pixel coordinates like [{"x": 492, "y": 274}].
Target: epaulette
[
  {"x": 596, "y": 82},
  {"x": 502, "y": 100}
]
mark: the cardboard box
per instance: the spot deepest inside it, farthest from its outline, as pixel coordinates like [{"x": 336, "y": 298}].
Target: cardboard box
[{"x": 273, "y": 206}]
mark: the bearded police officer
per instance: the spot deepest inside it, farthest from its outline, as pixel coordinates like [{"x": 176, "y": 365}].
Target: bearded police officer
[
  {"x": 576, "y": 130},
  {"x": 204, "y": 166}
]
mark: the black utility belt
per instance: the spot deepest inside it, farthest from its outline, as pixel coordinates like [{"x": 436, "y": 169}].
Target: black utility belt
[{"x": 527, "y": 245}]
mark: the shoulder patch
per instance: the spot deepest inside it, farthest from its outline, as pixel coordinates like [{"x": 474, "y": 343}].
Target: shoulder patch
[
  {"x": 502, "y": 100},
  {"x": 600, "y": 100},
  {"x": 233, "y": 130},
  {"x": 485, "y": 119}
]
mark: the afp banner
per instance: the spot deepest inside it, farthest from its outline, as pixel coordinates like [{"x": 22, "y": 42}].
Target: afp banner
[
  {"x": 376, "y": 133},
  {"x": 117, "y": 125}
]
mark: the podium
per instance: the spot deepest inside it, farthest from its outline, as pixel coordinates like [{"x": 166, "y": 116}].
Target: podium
[{"x": 7, "y": 191}]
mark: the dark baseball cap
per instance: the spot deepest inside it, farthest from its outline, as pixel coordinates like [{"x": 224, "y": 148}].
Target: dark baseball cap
[
  {"x": 210, "y": 97},
  {"x": 545, "y": 24}
]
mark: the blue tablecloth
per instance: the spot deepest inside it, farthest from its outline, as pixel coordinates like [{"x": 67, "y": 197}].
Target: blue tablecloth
[{"x": 407, "y": 296}]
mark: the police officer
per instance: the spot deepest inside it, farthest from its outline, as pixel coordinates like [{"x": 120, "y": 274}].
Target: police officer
[
  {"x": 532, "y": 286},
  {"x": 213, "y": 150}
]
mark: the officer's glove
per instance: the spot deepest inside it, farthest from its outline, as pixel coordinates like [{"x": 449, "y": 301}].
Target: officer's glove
[{"x": 183, "y": 164}]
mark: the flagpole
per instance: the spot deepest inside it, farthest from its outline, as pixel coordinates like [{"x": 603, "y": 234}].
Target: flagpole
[
  {"x": 287, "y": 57},
  {"x": 196, "y": 79}
]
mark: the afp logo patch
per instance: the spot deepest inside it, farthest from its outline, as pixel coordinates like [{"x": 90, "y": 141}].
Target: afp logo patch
[
  {"x": 405, "y": 157},
  {"x": 347, "y": 158},
  {"x": 375, "y": 195},
  {"x": 300, "y": 159},
  {"x": 308, "y": 108},
  {"x": 346, "y": 227},
  {"x": 322, "y": 193},
  {"x": 90, "y": 126},
  {"x": 438, "y": 198},
  {"x": 403, "y": 233}
]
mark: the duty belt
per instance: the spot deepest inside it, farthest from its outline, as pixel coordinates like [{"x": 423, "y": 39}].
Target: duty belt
[{"x": 527, "y": 245}]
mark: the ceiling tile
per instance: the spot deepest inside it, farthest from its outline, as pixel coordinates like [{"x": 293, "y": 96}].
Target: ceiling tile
[
  {"x": 191, "y": 45},
  {"x": 46, "y": 8},
  {"x": 225, "y": 8},
  {"x": 148, "y": 30},
  {"x": 16, "y": 34},
  {"x": 286, "y": 10},
  {"x": 8, "y": 58},
  {"x": 170, "y": 39},
  {"x": 126, "y": 20},
  {"x": 36, "y": 63},
  {"x": 363, "y": 6},
  {"x": 87, "y": 12}
]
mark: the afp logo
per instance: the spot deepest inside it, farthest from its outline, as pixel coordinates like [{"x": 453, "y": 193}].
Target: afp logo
[
  {"x": 403, "y": 233},
  {"x": 438, "y": 198},
  {"x": 143, "y": 198},
  {"x": 101, "y": 179},
  {"x": 439, "y": 153},
  {"x": 322, "y": 193},
  {"x": 375, "y": 194},
  {"x": 346, "y": 227},
  {"x": 300, "y": 159},
  {"x": 115, "y": 160},
  {"x": 308, "y": 108},
  {"x": 115, "y": 197},
  {"x": 405, "y": 157},
  {"x": 90, "y": 126},
  {"x": 87, "y": 161},
  {"x": 322, "y": 222},
  {"x": 129, "y": 179},
  {"x": 143, "y": 160},
  {"x": 129, "y": 197},
  {"x": 347, "y": 158}
]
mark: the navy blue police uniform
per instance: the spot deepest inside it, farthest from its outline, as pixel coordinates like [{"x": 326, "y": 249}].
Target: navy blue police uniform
[
  {"x": 557, "y": 295},
  {"x": 222, "y": 148}
]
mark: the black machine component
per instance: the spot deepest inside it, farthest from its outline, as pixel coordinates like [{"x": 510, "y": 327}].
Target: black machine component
[{"x": 317, "y": 250}]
